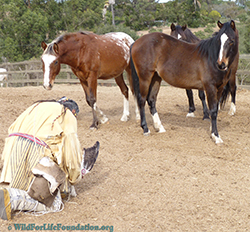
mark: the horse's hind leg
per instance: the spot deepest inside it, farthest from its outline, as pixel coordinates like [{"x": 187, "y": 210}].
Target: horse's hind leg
[
  {"x": 204, "y": 104},
  {"x": 124, "y": 89},
  {"x": 191, "y": 110},
  {"x": 151, "y": 99},
  {"x": 129, "y": 77},
  {"x": 233, "y": 88}
]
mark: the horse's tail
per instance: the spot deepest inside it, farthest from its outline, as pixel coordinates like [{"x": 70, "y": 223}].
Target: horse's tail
[
  {"x": 225, "y": 95},
  {"x": 135, "y": 78}
]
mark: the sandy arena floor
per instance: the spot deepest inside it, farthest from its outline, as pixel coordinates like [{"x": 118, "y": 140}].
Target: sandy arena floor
[{"x": 174, "y": 181}]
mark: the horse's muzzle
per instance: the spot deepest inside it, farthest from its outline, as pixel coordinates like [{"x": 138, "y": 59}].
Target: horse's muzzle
[
  {"x": 222, "y": 66},
  {"x": 48, "y": 87}
]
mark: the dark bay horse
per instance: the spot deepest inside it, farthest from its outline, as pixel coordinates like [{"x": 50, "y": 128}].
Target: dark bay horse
[
  {"x": 90, "y": 57},
  {"x": 184, "y": 33},
  {"x": 206, "y": 65}
]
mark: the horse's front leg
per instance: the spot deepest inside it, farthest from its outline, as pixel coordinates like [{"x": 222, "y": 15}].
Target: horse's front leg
[
  {"x": 124, "y": 89},
  {"x": 204, "y": 104},
  {"x": 191, "y": 110},
  {"x": 233, "y": 88},
  {"x": 90, "y": 88},
  {"x": 213, "y": 106}
]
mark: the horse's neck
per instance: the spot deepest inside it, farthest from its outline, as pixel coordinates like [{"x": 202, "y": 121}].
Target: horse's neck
[{"x": 70, "y": 56}]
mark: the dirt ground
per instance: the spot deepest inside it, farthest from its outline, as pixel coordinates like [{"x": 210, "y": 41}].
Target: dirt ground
[{"x": 174, "y": 181}]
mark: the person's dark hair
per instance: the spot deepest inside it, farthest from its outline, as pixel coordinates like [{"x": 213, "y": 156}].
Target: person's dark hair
[{"x": 70, "y": 104}]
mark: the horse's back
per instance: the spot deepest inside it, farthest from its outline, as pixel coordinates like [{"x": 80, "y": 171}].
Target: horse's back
[
  {"x": 161, "y": 48},
  {"x": 169, "y": 57},
  {"x": 121, "y": 36},
  {"x": 112, "y": 52}
]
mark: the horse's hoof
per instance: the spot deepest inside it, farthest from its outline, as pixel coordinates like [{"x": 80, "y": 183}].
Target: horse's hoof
[
  {"x": 190, "y": 115},
  {"x": 104, "y": 120},
  {"x": 147, "y": 133},
  {"x": 216, "y": 139},
  {"x": 125, "y": 118},
  {"x": 93, "y": 128},
  {"x": 161, "y": 129},
  {"x": 206, "y": 117}
]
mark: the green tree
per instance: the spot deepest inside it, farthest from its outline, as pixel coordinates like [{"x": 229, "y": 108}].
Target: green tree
[
  {"x": 138, "y": 14},
  {"x": 81, "y": 14},
  {"x": 21, "y": 30},
  {"x": 246, "y": 40},
  {"x": 182, "y": 12}
]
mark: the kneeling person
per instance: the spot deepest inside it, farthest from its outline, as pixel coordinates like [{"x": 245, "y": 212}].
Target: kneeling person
[{"x": 43, "y": 149}]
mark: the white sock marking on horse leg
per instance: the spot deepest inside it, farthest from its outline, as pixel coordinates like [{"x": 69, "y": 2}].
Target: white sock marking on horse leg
[
  {"x": 137, "y": 114},
  {"x": 157, "y": 123},
  {"x": 232, "y": 110},
  {"x": 190, "y": 115},
  {"x": 47, "y": 60},
  {"x": 104, "y": 118},
  {"x": 125, "y": 116},
  {"x": 223, "y": 39},
  {"x": 216, "y": 139}
]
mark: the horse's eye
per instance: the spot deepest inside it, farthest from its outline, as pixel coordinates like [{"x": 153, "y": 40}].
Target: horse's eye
[
  {"x": 56, "y": 62},
  {"x": 231, "y": 43}
]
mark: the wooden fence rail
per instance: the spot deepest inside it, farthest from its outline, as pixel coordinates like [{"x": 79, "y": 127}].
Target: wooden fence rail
[{"x": 29, "y": 73}]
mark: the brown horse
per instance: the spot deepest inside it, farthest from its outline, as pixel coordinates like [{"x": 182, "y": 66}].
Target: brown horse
[
  {"x": 206, "y": 65},
  {"x": 90, "y": 57},
  {"x": 183, "y": 33}
]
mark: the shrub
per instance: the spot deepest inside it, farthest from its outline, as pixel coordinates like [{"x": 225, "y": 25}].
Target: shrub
[{"x": 214, "y": 15}]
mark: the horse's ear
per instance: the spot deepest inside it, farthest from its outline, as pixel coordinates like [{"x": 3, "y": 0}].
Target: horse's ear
[
  {"x": 43, "y": 45},
  {"x": 232, "y": 24},
  {"x": 184, "y": 27},
  {"x": 56, "y": 48},
  {"x": 220, "y": 25},
  {"x": 172, "y": 27}
]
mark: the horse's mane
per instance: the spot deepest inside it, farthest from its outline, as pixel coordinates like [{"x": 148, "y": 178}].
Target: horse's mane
[
  {"x": 50, "y": 49},
  {"x": 63, "y": 37},
  {"x": 190, "y": 36},
  {"x": 210, "y": 47}
]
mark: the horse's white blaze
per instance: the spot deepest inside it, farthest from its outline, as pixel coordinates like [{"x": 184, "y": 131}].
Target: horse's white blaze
[
  {"x": 179, "y": 36},
  {"x": 223, "y": 40},
  {"x": 47, "y": 60},
  {"x": 157, "y": 123}
]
